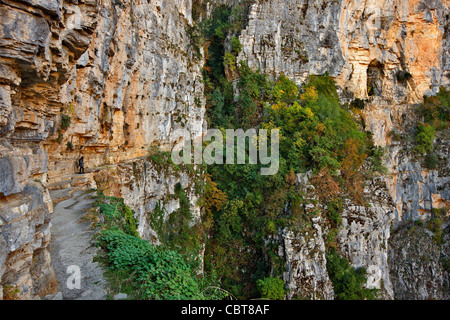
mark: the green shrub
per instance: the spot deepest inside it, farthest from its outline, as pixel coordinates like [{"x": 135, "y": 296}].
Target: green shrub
[
  {"x": 348, "y": 282},
  {"x": 158, "y": 273},
  {"x": 236, "y": 45},
  {"x": 119, "y": 216},
  {"x": 148, "y": 271},
  {"x": 435, "y": 223},
  {"x": 446, "y": 263},
  {"x": 271, "y": 288},
  {"x": 230, "y": 61},
  {"x": 425, "y": 136},
  {"x": 162, "y": 159},
  {"x": 419, "y": 223},
  {"x": 65, "y": 122},
  {"x": 376, "y": 160},
  {"x": 70, "y": 145},
  {"x": 395, "y": 135},
  {"x": 431, "y": 161},
  {"x": 180, "y": 232},
  {"x": 315, "y": 134},
  {"x": 436, "y": 109}
]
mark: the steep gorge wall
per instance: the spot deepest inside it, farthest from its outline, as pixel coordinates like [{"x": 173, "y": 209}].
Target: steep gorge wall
[
  {"x": 125, "y": 74},
  {"x": 37, "y": 47},
  {"x": 102, "y": 79}
]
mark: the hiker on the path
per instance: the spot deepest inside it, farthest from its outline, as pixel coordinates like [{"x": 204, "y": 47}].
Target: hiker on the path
[{"x": 81, "y": 164}]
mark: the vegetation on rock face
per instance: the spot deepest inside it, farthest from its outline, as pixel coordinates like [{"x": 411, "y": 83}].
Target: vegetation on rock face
[
  {"x": 271, "y": 288},
  {"x": 425, "y": 136},
  {"x": 436, "y": 109},
  {"x": 65, "y": 122},
  {"x": 243, "y": 210},
  {"x": 143, "y": 270},
  {"x": 348, "y": 282},
  {"x": 426, "y": 243},
  {"x": 403, "y": 76},
  {"x": 435, "y": 112},
  {"x": 317, "y": 135}
]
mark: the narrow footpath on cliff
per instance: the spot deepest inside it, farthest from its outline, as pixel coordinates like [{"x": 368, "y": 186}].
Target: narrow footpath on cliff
[{"x": 72, "y": 248}]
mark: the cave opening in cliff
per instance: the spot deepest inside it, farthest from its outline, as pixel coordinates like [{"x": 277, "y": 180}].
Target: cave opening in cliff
[{"x": 374, "y": 78}]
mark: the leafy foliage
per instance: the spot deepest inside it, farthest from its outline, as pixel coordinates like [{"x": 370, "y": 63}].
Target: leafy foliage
[
  {"x": 153, "y": 272},
  {"x": 348, "y": 282},
  {"x": 159, "y": 273},
  {"x": 376, "y": 160},
  {"x": 65, "y": 122},
  {"x": 118, "y": 215},
  {"x": 435, "y": 225},
  {"x": 271, "y": 288},
  {"x": 316, "y": 134},
  {"x": 425, "y": 136},
  {"x": 431, "y": 161},
  {"x": 180, "y": 232},
  {"x": 162, "y": 160},
  {"x": 436, "y": 109},
  {"x": 245, "y": 209}
]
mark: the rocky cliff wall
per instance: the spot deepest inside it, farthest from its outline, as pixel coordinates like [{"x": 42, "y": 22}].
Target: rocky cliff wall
[
  {"x": 107, "y": 79},
  {"x": 348, "y": 39},
  {"x": 40, "y": 41},
  {"x": 102, "y": 79}
]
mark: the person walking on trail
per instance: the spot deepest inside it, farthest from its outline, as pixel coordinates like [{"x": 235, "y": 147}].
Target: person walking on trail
[{"x": 81, "y": 164}]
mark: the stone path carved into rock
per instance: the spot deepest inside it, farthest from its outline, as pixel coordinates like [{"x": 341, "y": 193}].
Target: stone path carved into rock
[{"x": 72, "y": 247}]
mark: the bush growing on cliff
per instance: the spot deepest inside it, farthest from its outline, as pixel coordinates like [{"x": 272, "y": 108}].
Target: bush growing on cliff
[
  {"x": 357, "y": 104},
  {"x": 65, "y": 122},
  {"x": 425, "y": 136},
  {"x": 118, "y": 215},
  {"x": 403, "y": 76},
  {"x": 180, "y": 233},
  {"x": 436, "y": 109},
  {"x": 334, "y": 212},
  {"x": 376, "y": 160},
  {"x": 348, "y": 282},
  {"x": 431, "y": 161},
  {"x": 316, "y": 134}
]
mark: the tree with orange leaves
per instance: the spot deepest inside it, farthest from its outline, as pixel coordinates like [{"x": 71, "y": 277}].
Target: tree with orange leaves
[
  {"x": 350, "y": 168},
  {"x": 326, "y": 187}
]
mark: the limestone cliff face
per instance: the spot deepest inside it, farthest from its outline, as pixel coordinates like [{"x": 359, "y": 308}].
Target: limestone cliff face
[
  {"x": 351, "y": 39},
  {"x": 107, "y": 79},
  {"x": 103, "y": 79},
  {"x": 363, "y": 238},
  {"x": 40, "y": 41},
  {"x": 136, "y": 83},
  {"x": 144, "y": 186},
  {"x": 413, "y": 252}
]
